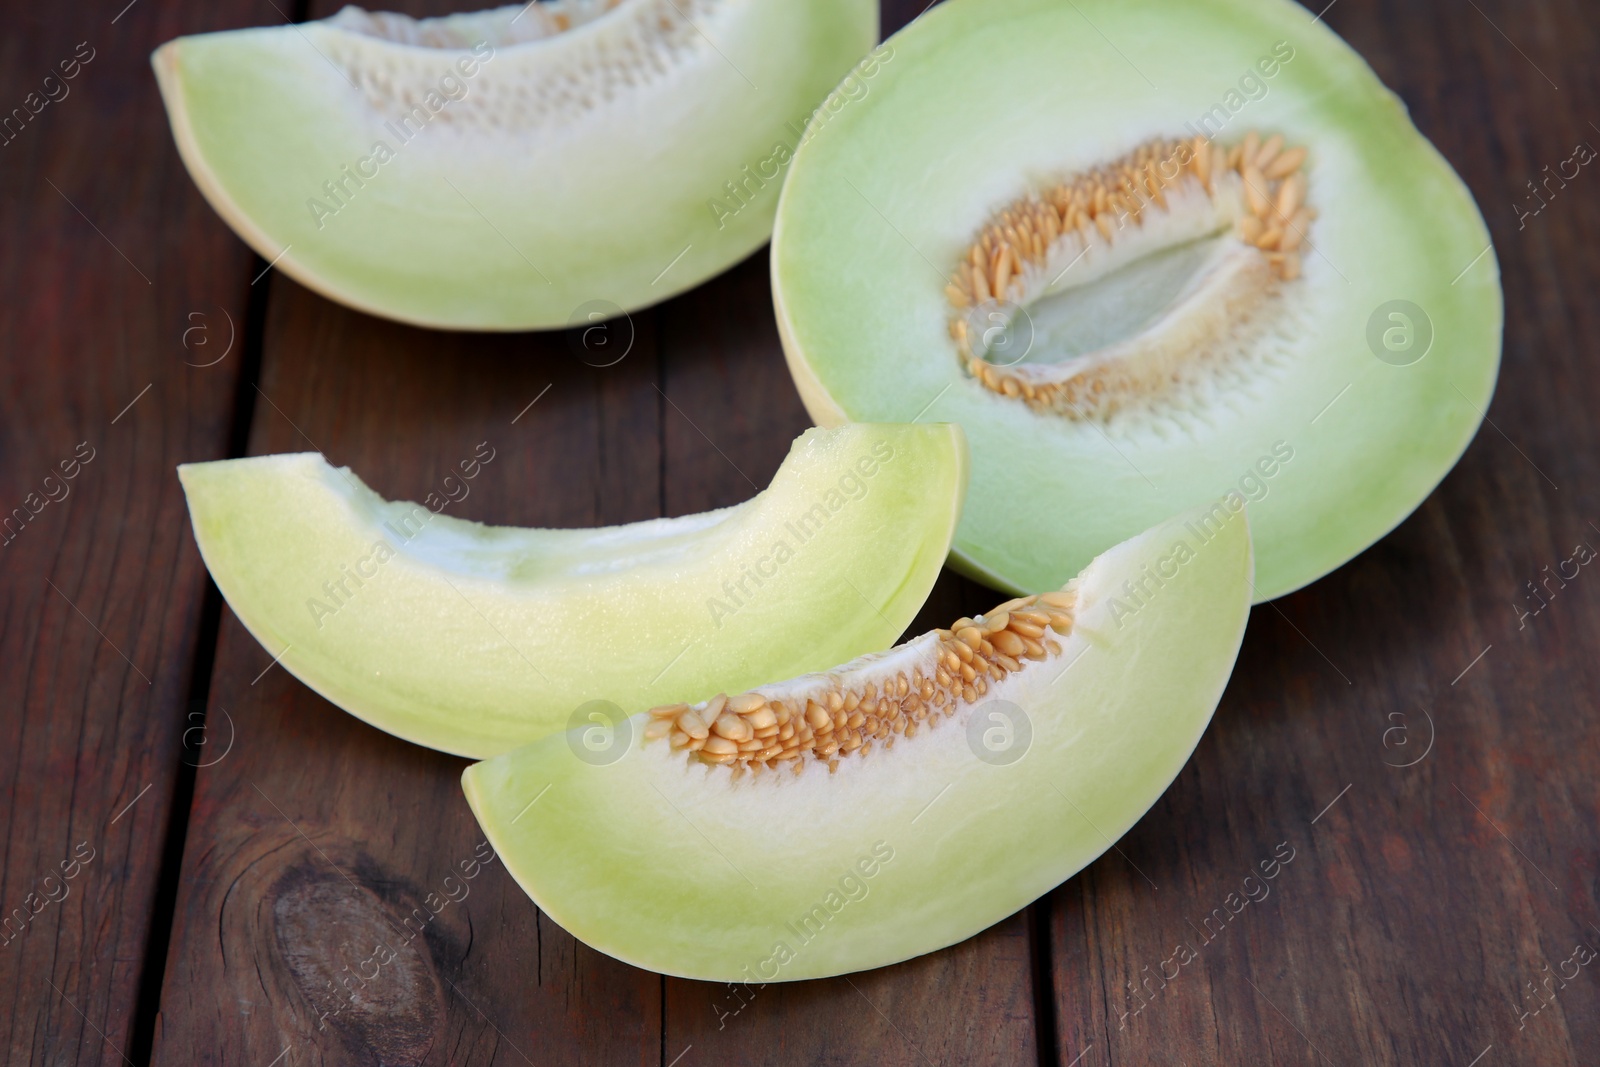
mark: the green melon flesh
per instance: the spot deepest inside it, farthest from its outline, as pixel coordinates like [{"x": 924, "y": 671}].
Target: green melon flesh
[
  {"x": 475, "y": 639},
  {"x": 548, "y": 175},
  {"x": 678, "y": 867},
  {"x": 988, "y": 100}
]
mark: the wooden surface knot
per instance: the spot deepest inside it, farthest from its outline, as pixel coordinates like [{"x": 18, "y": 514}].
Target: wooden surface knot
[{"x": 363, "y": 973}]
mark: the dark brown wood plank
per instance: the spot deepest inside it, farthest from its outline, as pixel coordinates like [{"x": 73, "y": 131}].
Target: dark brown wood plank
[
  {"x": 1420, "y": 905},
  {"x": 108, "y": 251},
  {"x": 318, "y": 836}
]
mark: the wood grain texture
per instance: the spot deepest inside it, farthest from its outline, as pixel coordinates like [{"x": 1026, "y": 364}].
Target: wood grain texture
[
  {"x": 328, "y": 845},
  {"x": 108, "y": 250},
  {"x": 334, "y": 904},
  {"x": 1420, "y": 905}
]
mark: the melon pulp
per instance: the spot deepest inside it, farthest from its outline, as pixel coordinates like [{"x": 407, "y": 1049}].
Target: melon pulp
[
  {"x": 524, "y": 167},
  {"x": 474, "y": 639},
  {"x": 1184, "y": 253},
  {"x": 896, "y": 804}
]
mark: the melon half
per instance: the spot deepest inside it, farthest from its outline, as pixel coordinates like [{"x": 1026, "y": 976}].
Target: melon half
[
  {"x": 475, "y": 639},
  {"x": 1151, "y": 255},
  {"x": 893, "y": 805},
  {"x": 524, "y": 167}
]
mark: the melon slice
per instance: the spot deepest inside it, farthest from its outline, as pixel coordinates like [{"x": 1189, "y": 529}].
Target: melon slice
[
  {"x": 475, "y": 639},
  {"x": 1186, "y": 252},
  {"x": 896, "y": 804},
  {"x": 517, "y": 168}
]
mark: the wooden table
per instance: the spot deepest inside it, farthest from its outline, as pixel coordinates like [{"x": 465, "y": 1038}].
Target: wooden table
[{"x": 228, "y": 834}]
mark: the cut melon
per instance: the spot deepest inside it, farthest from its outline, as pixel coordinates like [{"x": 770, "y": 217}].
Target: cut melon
[
  {"x": 896, "y": 804},
  {"x": 1188, "y": 252},
  {"x": 513, "y": 168},
  {"x": 475, "y": 639}
]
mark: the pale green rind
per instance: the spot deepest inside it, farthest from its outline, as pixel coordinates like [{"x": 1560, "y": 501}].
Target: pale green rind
[
  {"x": 475, "y": 639},
  {"x": 903, "y": 178},
  {"x": 476, "y": 226},
  {"x": 673, "y": 866}
]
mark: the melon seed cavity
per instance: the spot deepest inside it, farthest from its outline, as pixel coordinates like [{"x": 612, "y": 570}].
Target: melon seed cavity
[
  {"x": 874, "y": 701},
  {"x": 1163, "y": 192}
]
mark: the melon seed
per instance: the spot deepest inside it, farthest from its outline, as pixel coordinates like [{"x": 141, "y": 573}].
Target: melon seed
[{"x": 752, "y": 731}]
